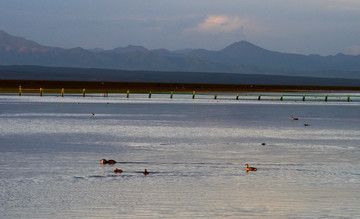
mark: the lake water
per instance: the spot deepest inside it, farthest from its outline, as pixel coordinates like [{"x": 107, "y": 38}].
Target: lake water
[{"x": 194, "y": 149}]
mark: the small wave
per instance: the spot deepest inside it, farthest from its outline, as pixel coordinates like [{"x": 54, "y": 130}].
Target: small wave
[
  {"x": 175, "y": 163},
  {"x": 96, "y": 176},
  {"x": 79, "y": 177}
]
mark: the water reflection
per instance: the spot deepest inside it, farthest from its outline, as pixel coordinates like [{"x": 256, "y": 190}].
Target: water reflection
[{"x": 195, "y": 153}]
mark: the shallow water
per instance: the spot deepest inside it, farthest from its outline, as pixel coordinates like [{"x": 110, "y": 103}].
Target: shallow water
[{"x": 51, "y": 147}]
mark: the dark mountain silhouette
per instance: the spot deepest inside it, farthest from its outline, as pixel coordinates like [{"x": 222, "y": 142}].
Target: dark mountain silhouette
[
  {"x": 240, "y": 57},
  {"x": 245, "y": 53},
  {"x": 18, "y": 51},
  {"x": 130, "y": 48},
  {"x": 10, "y": 43}
]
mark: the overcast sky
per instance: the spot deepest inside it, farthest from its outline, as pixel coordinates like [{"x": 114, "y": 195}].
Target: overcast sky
[{"x": 323, "y": 27}]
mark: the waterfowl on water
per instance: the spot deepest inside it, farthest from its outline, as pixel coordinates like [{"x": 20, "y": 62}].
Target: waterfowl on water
[
  {"x": 263, "y": 144},
  {"x": 103, "y": 162},
  {"x": 145, "y": 172},
  {"x": 118, "y": 170},
  {"x": 93, "y": 114},
  {"x": 250, "y": 168},
  {"x": 306, "y": 124},
  {"x": 294, "y": 118}
]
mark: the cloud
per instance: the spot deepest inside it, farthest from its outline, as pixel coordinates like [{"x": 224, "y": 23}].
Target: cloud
[
  {"x": 225, "y": 24},
  {"x": 215, "y": 31},
  {"x": 219, "y": 24}
]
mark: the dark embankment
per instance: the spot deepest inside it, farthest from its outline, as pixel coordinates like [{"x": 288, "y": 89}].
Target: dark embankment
[
  {"x": 35, "y": 77},
  {"x": 77, "y": 86}
]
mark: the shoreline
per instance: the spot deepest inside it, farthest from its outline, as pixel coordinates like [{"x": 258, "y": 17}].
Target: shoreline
[{"x": 33, "y": 86}]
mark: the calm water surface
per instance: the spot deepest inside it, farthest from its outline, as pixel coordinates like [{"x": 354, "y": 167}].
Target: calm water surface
[{"x": 51, "y": 147}]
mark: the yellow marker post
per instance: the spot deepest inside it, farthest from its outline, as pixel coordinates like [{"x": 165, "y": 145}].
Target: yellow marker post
[
  {"x": 62, "y": 92},
  {"x": 282, "y": 97},
  {"x": 237, "y": 96},
  {"x": 127, "y": 94},
  {"x": 171, "y": 94},
  {"x": 259, "y": 98},
  {"x": 41, "y": 92},
  {"x": 193, "y": 95},
  {"x": 150, "y": 94},
  {"x": 84, "y": 92},
  {"x": 20, "y": 91}
]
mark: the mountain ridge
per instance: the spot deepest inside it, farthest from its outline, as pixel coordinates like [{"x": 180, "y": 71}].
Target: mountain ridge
[{"x": 240, "y": 57}]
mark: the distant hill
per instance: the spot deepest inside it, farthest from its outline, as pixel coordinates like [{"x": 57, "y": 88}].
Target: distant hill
[
  {"x": 240, "y": 58},
  {"x": 112, "y": 75}
]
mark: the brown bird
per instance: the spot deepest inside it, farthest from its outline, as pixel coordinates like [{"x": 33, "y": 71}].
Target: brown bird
[
  {"x": 118, "y": 170},
  {"x": 145, "y": 172},
  {"x": 103, "y": 162},
  {"x": 250, "y": 168},
  {"x": 294, "y": 118}
]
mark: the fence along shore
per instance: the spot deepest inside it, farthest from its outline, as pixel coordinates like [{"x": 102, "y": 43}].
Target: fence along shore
[{"x": 293, "y": 96}]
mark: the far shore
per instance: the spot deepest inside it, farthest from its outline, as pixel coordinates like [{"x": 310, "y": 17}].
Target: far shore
[{"x": 32, "y": 86}]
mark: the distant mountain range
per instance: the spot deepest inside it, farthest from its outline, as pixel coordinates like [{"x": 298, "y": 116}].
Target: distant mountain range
[{"x": 240, "y": 58}]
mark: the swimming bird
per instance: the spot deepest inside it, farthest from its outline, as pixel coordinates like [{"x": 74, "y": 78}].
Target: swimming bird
[
  {"x": 118, "y": 170},
  {"x": 263, "y": 144},
  {"x": 93, "y": 114},
  {"x": 145, "y": 172},
  {"x": 250, "y": 168},
  {"x": 103, "y": 162},
  {"x": 306, "y": 124},
  {"x": 294, "y": 118}
]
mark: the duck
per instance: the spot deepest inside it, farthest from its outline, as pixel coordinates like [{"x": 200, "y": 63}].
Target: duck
[
  {"x": 250, "y": 168},
  {"x": 306, "y": 124},
  {"x": 145, "y": 172},
  {"x": 118, "y": 170},
  {"x": 93, "y": 114},
  {"x": 294, "y": 118},
  {"x": 103, "y": 162}
]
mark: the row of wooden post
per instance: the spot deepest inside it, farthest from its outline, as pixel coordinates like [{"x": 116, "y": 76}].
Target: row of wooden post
[
  {"x": 237, "y": 96},
  {"x": 171, "y": 94},
  {"x": 42, "y": 92}
]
